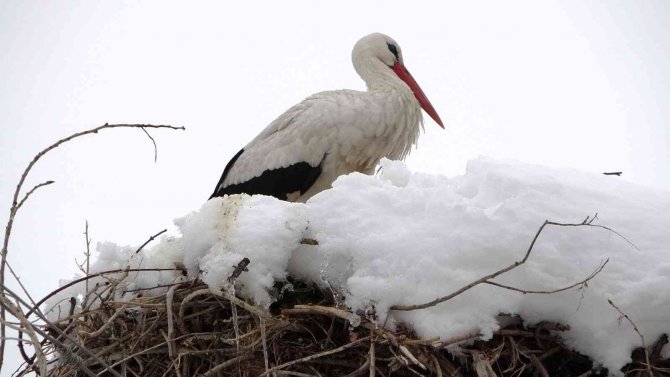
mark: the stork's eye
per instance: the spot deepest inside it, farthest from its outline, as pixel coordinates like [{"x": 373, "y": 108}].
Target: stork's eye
[{"x": 394, "y": 50}]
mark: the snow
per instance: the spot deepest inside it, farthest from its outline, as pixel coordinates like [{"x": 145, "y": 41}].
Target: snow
[{"x": 402, "y": 238}]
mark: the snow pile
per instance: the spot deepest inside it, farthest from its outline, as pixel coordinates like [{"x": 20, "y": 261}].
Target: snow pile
[
  {"x": 408, "y": 238},
  {"x": 394, "y": 241},
  {"x": 213, "y": 241}
]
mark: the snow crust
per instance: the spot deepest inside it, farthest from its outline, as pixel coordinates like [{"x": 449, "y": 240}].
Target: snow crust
[{"x": 407, "y": 238}]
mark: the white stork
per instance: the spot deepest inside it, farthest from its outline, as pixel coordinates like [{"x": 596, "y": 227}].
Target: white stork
[{"x": 333, "y": 133}]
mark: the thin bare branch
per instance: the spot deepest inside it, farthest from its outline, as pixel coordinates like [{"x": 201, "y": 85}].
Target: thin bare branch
[
  {"x": 318, "y": 309},
  {"x": 237, "y": 271},
  {"x": 149, "y": 240},
  {"x": 102, "y": 328},
  {"x": 18, "y": 314},
  {"x": 644, "y": 345},
  {"x": 32, "y": 301},
  {"x": 541, "y": 370},
  {"x": 547, "y": 292},
  {"x": 436, "y": 366},
  {"x": 31, "y": 192},
  {"x": 169, "y": 299},
  {"x": 88, "y": 254},
  {"x": 361, "y": 370},
  {"x": 77, "y": 281},
  {"x": 157, "y": 286},
  {"x": 372, "y": 358},
  {"x": 590, "y": 223},
  {"x": 476, "y": 282},
  {"x": 55, "y": 341},
  {"x": 225, "y": 364},
  {"x": 16, "y": 204},
  {"x": 154, "y": 142},
  {"x": 18, "y": 280},
  {"x": 264, "y": 342},
  {"x": 316, "y": 356},
  {"x": 486, "y": 279}
]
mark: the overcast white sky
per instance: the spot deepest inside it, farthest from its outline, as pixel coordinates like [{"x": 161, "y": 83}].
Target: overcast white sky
[{"x": 576, "y": 84}]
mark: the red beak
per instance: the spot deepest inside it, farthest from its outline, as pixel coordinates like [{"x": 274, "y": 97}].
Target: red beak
[{"x": 405, "y": 76}]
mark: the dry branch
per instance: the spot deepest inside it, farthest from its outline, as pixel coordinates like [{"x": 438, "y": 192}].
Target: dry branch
[
  {"x": 16, "y": 204},
  {"x": 581, "y": 283},
  {"x": 487, "y": 279},
  {"x": 18, "y": 314},
  {"x": 644, "y": 345},
  {"x": 56, "y": 341},
  {"x": 542, "y": 371},
  {"x": 149, "y": 240},
  {"x": 238, "y": 270},
  {"x": 316, "y": 356}
]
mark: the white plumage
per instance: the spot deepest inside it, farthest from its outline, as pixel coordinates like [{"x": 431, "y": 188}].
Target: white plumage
[{"x": 335, "y": 132}]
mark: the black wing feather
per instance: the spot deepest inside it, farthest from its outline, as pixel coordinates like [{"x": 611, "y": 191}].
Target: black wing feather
[
  {"x": 276, "y": 182},
  {"x": 225, "y": 172}
]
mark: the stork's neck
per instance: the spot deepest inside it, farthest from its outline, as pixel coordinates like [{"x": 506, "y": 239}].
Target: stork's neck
[{"x": 379, "y": 77}]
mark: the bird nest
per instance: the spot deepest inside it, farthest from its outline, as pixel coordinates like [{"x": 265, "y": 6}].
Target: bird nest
[{"x": 192, "y": 330}]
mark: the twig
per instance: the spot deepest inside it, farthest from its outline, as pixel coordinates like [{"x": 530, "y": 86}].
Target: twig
[
  {"x": 70, "y": 313},
  {"x": 476, "y": 282},
  {"x": 225, "y": 364},
  {"x": 411, "y": 357},
  {"x": 541, "y": 370},
  {"x": 88, "y": 254},
  {"x": 241, "y": 267},
  {"x": 31, "y": 192},
  {"x": 157, "y": 286},
  {"x": 587, "y": 222},
  {"x": 18, "y": 280},
  {"x": 102, "y": 328},
  {"x": 315, "y": 356},
  {"x": 346, "y": 315},
  {"x": 459, "y": 339},
  {"x": 18, "y": 314},
  {"x": 154, "y": 142},
  {"x": 16, "y": 204},
  {"x": 57, "y": 343},
  {"x": 35, "y": 307},
  {"x": 644, "y": 346},
  {"x": 265, "y": 345},
  {"x": 234, "y": 300},
  {"x": 68, "y": 285},
  {"x": 482, "y": 365},
  {"x": 360, "y": 370},
  {"x": 169, "y": 298},
  {"x": 149, "y": 240},
  {"x": 550, "y": 352},
  {"x": 436, "y": 365},
  {"x": 85, "y": 266},
  {"x": 581, "y": 283},
  {"x": 318, "y": 309},
  {"x": 658, "y": 347},
  {"x": 371, "y": 358},
  {"x": 144, "y": 351},
  {"x": 28, "y": 360},
  {"x": 296, "y": 374}
]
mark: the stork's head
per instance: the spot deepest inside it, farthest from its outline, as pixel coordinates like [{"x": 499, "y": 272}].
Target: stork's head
[{"x": 378, "y": 58}]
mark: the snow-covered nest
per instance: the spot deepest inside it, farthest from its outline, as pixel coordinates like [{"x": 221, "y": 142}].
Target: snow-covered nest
[{"x": 376, "y": 244}]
